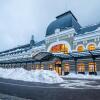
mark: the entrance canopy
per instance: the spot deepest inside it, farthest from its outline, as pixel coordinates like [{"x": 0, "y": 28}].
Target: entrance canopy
[
  {"x": 46, "y": 56},
  {"x": 43, "y": 56},
  {"x": 85, "y": 54}
]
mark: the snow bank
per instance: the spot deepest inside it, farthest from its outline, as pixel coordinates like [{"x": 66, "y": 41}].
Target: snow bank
[
  {"x": 43, "y": 76},
  {"x": 80, "y": 76}
]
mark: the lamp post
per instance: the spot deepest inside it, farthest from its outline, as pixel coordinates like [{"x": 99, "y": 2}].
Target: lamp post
[{"x": 75, "y": 65}]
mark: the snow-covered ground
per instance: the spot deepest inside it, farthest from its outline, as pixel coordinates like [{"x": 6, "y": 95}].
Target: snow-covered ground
[
  {"x": 81, "y": 76},
  {"x": 80, "y": 84},
  {"x": 43, "y": 76},
  {"x": 79, "y": 81}
]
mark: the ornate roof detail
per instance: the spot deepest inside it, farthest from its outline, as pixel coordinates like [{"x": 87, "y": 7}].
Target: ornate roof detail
[{"x": 63, "y": 21}]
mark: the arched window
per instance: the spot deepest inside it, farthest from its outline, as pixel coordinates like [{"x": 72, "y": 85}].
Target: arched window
[
  {"x": 91, "y": 47},
  {"x": 92, "y": 68},
  {"x": 37, "y": 66},
  {"x": 42, "y": 66},
  {"x": 58, "y": 66},
  {"x": 80, "y": 48},
  {"x": 59, "y": 48},
  {"x": 81, "y": 68},
  {"x": 66, "y": 68},
  {"x": 50, "y": 67}
]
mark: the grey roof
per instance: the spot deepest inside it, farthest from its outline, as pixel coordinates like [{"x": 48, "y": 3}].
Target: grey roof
[
  {"x": 39, "y": 43},
  {"x": 89, "y": 29},
  {"x": 24, "y": 47},
  {"x": 66, "y": 20},
  {"x": 19, "y": 47}
]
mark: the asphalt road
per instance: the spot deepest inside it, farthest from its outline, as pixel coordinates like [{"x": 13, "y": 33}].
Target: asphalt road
[
  {"x": 39, "y": 91},
  {"x": 8, "y": 97}
]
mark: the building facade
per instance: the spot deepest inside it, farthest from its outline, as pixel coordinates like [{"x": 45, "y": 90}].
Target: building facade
[
  {"x": 64, "y": 35},
  {"x": 66, "y": 30}
]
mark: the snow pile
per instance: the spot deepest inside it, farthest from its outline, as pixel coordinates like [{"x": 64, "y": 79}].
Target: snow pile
[
  {"x": 81, "y": 76},
  {"x": 43, "y": 76}
]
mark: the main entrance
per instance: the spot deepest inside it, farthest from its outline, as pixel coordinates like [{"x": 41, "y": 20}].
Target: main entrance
[
  {"x": 58, "y": 67},
  {"x": 60, "y": 48}
]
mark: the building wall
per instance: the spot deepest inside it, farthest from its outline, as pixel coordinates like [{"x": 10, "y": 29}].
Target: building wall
[
  {"x": 66, "y": 36},
  {"x": 74, "y": 40},
  {"x": 86, "y": 39}
]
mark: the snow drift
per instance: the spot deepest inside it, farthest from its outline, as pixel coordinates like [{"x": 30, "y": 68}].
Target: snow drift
[{"x": 43, "y": 76}]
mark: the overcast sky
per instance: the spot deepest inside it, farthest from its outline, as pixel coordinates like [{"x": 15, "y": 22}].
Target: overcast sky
[{"x": 19, "y": 19}]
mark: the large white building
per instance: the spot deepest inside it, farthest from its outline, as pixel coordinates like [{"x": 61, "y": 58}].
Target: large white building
[{"x": 63, "y": 35}]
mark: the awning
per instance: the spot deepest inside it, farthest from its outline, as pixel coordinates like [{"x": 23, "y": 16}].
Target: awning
[{"x": 43, "y": 56}]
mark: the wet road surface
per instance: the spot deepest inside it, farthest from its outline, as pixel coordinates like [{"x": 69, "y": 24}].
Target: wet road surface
[{"x": 70, "y": 89}]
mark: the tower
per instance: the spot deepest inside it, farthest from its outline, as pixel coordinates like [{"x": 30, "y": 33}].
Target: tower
[{"x": 32, "y": 40}]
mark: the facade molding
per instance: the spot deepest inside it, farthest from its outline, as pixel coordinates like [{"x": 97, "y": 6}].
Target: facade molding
[
  {"x": 65, "y": 32},
  {"x": 87, "y": 35}
]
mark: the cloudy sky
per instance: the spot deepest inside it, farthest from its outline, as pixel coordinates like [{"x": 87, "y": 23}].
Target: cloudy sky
[{"x": 19, "y": 19}]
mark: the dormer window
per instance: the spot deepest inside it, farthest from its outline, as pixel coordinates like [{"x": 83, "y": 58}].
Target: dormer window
[{"x": 57, "y": 30}]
